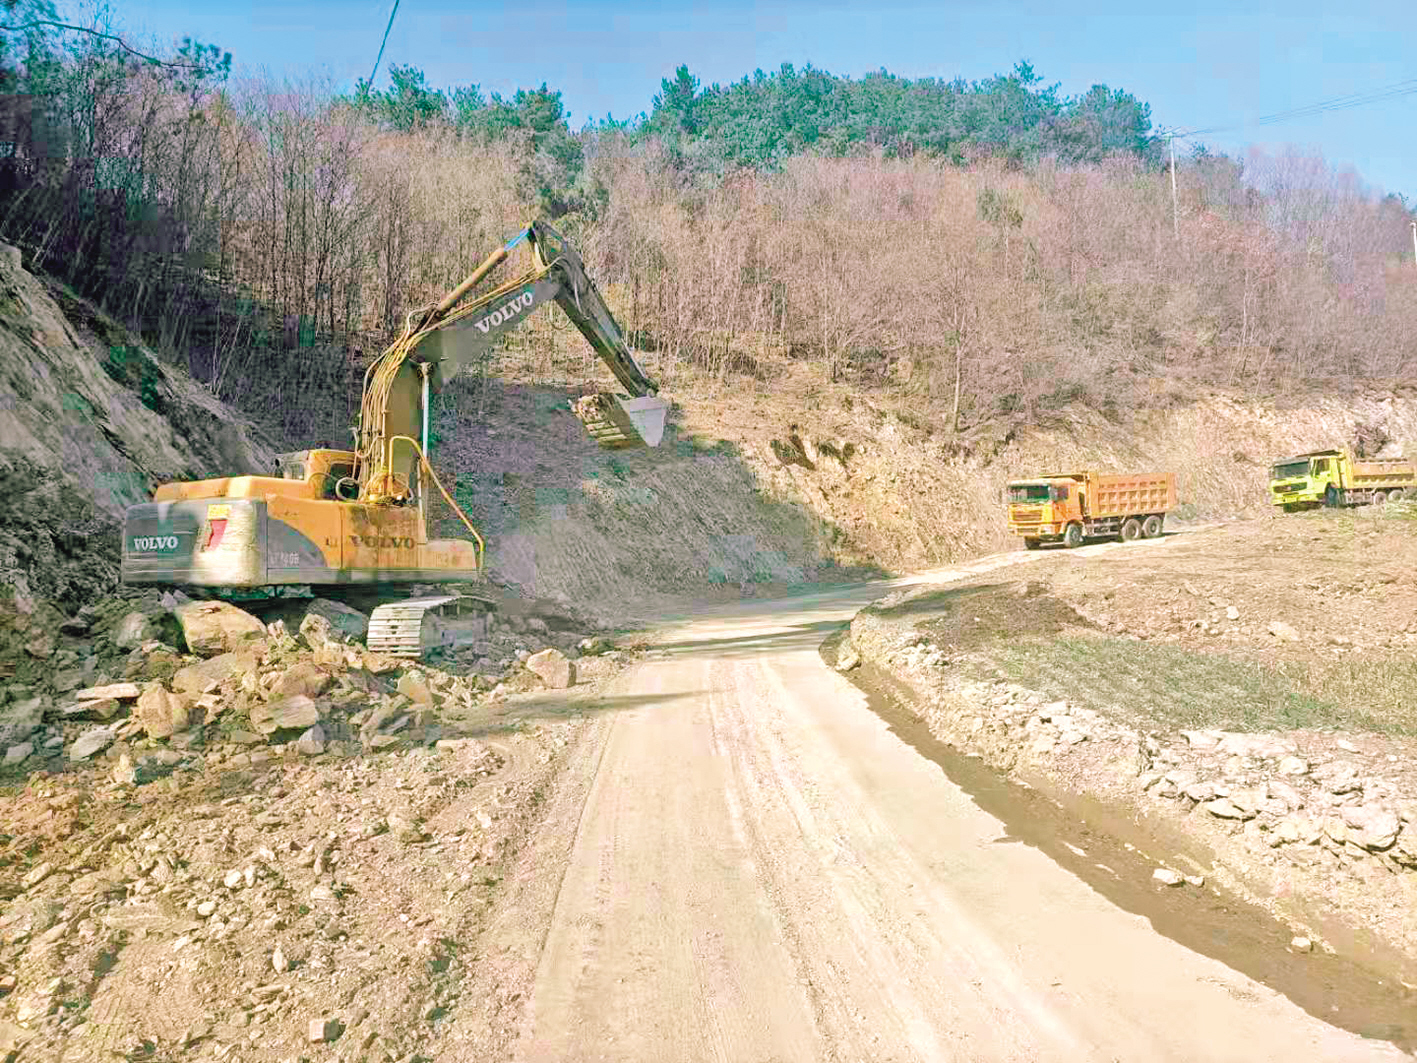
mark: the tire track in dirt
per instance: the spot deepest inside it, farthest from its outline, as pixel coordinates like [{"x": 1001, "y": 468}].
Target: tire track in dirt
[{"x": 779, "y": 876}]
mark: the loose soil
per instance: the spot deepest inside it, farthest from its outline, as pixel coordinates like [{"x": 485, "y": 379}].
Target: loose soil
[{"x": 222, "y": 909}]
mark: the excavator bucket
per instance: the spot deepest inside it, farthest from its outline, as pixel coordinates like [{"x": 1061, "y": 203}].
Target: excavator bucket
[{"x": 619, "y": 423}]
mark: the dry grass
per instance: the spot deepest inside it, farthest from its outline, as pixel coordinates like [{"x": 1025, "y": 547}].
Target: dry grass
[
  {"x": 1172, "y": 688},
  {"x": 914, "y": 493}
]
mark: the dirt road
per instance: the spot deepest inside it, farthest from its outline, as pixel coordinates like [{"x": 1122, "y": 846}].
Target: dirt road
[{"x": 756, "y": 868}]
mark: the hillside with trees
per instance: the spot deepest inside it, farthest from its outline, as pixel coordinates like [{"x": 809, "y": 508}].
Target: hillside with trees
[{"x": 977, "y": 256}]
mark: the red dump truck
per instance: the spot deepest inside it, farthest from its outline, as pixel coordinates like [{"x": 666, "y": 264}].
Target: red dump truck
[{"x": 1071, "y": 507}]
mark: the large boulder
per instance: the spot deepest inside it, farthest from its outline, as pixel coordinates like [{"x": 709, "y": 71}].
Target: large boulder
[
  {"x": 133, "y": 630},
  {"x": 846, "y": 657},
  {"x": 318, "y": 632},
  {"x": 553, "y": 668},
  {"x": 99, "y": 709},
  {"x": 412, "y": 686},
  {"x": 283, "y": 714},
  {"x": 1372, "y": 826},
  {"x": 313, "y": 742},
  {"x": 162, "y": 713},
  {"x": 198, "y": 678},
  {"x": 302, "y": 678},
  {"x": 93, "y": 742},
  {"x": 120, "y": 691},
  {"x": 344, "y": 620},
  {"x": 211, "y": 628}
]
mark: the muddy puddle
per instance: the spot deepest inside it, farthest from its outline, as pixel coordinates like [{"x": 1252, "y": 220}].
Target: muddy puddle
[{"x": 1241, "y": 935}]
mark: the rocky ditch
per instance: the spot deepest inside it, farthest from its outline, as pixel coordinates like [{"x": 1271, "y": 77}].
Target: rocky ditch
[{"x": 1319, "y": 828}]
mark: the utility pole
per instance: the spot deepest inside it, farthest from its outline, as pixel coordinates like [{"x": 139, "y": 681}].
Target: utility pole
[{"x": 1175, "y": 211}]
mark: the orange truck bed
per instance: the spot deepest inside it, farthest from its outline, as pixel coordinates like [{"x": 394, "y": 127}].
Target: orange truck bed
[{"x": 1127, "y": 495}]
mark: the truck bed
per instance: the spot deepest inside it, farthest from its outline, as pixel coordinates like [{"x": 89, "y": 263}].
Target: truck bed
[
  {"x": 1130, "y": 495},
  {"x": 1390, "y": 473}
]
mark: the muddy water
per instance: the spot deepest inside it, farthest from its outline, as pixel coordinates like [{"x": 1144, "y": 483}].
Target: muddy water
[{"x": 1240, "y": 935}]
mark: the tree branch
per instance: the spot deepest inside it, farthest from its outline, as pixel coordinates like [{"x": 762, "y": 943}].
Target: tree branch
[{"x": 36, "y": 23}]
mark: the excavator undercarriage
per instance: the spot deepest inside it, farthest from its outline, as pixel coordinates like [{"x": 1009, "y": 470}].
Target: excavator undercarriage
[{"x": 336, "y": 523}]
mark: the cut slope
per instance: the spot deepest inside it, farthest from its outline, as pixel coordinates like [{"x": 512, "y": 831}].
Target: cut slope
[
  {"x": 908, "y": 495},
  {"x": 608, "y": 529},
  {"x": 90, "y": 422}
]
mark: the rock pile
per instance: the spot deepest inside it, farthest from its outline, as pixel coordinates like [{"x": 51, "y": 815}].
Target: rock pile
[
  {"x": 121, "y": 690},
  {"x": 1315, "y": 813}
]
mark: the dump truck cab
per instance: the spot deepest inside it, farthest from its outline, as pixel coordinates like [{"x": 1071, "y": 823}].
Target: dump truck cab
[
  {"x": 1044, "y": 507},
  {"x": 1305, "y": 479}
]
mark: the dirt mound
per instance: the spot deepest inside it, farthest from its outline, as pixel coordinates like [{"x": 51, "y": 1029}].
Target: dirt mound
[{"x": 964, "y": 618}]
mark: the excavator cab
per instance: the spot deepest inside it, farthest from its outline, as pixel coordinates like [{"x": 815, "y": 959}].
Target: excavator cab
[{"x": 330, "y": 473}]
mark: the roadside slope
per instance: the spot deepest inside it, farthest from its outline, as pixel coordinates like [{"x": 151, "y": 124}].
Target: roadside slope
[
  {"x": 909, "y": 494},
  {"x": 90, "y": 421},
  {"x": 1250, "y": 728}
]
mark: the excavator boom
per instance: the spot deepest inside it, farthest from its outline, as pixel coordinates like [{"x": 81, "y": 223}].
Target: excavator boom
[{"x": 458, "y": 336}]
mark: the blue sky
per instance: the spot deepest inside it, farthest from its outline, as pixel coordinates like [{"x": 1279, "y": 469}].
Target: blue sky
[{"x": 1198, "y": 64}]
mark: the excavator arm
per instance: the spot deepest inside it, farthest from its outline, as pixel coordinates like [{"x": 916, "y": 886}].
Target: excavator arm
[
  {"x": 443, "y": 339},
  {"x": 462, "y": 335}
]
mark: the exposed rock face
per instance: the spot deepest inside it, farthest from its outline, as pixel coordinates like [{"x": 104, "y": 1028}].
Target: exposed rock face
[{"x": 89, "y": 426}]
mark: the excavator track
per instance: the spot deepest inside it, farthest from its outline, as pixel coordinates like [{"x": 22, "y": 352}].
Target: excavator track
[{"x": 413, "y": 627}]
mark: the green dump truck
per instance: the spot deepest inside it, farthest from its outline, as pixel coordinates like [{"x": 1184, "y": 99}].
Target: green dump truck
[{"x": 1336, "y": 478}]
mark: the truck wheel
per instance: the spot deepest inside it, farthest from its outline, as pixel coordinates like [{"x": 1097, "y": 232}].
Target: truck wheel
[
  {"x": 1032, "y": 544},
  {"x": 1131, "y": 530},
  {"x": 1379, "y": 498},
  {"x": 1395, "y": 495},
  {"x": 1072, "y": 537},
  {"x": 1151, "y": 527}
]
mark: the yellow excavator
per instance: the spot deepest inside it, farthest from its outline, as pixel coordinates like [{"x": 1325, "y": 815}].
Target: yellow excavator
[{"x": 337, "y": 521}]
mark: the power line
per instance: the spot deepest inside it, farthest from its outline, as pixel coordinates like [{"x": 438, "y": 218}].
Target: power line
[
  {"x": 1408, "y": 89},
  {"x": 384, "y": 42},
  {"x": 1337, "y": 103}
]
